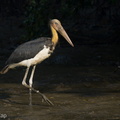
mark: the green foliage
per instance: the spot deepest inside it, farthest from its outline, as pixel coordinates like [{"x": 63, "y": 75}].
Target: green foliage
[
  {"x": 114, "y": 1},
  {"x": 34, "y": 19},
  {"x": 39, "y": 12}
]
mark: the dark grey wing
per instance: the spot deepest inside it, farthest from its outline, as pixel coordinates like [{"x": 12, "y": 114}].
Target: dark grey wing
[{"x": 28, "y": 50}]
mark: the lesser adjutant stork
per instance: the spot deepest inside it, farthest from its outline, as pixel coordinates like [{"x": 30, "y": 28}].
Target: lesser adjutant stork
[{"x": 34, "y": 52}]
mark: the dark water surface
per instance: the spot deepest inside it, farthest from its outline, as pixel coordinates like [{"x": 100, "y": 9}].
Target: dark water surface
[{"x": 78, "y": 93}]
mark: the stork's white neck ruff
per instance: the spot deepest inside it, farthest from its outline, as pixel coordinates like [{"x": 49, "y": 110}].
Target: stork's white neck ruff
[{"x": 42, "y": 55}]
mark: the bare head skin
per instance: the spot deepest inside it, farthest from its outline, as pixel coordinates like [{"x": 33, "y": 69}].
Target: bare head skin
[{"x": 56, "y": 24}]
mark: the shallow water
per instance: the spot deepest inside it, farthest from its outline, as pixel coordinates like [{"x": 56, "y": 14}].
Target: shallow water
[{"x": 85, "y": 93}]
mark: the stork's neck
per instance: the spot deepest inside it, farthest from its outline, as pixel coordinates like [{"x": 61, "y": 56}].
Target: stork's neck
[{"x": 54, "y": 35}]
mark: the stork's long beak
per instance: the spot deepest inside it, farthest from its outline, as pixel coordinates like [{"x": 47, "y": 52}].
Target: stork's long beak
[{"x": 65, "y": 35}]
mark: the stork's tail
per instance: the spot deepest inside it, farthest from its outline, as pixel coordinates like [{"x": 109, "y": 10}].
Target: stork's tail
[{"x": 4, "y": 70}]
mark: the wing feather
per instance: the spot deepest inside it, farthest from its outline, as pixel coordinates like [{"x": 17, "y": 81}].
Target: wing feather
[{"x": 28, "y": 50}]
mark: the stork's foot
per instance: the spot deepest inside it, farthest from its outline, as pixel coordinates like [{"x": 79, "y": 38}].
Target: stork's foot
[{"x": 45, "y": 99}]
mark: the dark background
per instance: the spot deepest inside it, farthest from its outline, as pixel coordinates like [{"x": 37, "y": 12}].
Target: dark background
[
  {"x": 82, "y": 81},
  {"x": 93, "y": 26},
  {"x": 94, "y": 21}
]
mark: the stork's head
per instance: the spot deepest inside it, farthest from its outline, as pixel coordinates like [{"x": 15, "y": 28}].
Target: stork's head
[{"x": 58, "y": 27}]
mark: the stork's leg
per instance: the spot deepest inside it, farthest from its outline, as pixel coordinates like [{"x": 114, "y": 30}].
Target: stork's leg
[
  {"x": 25, "y": 77},
  {"x": 31, "y": 83},
  {"x": 44, "y": 98},
  {"x": 31, "y": 77}
]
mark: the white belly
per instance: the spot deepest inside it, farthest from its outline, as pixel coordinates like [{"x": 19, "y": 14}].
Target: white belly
[{"x": 42, "y": 55}]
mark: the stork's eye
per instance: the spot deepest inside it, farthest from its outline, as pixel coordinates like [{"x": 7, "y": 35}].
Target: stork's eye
[{"x": 56, "y": 23}]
